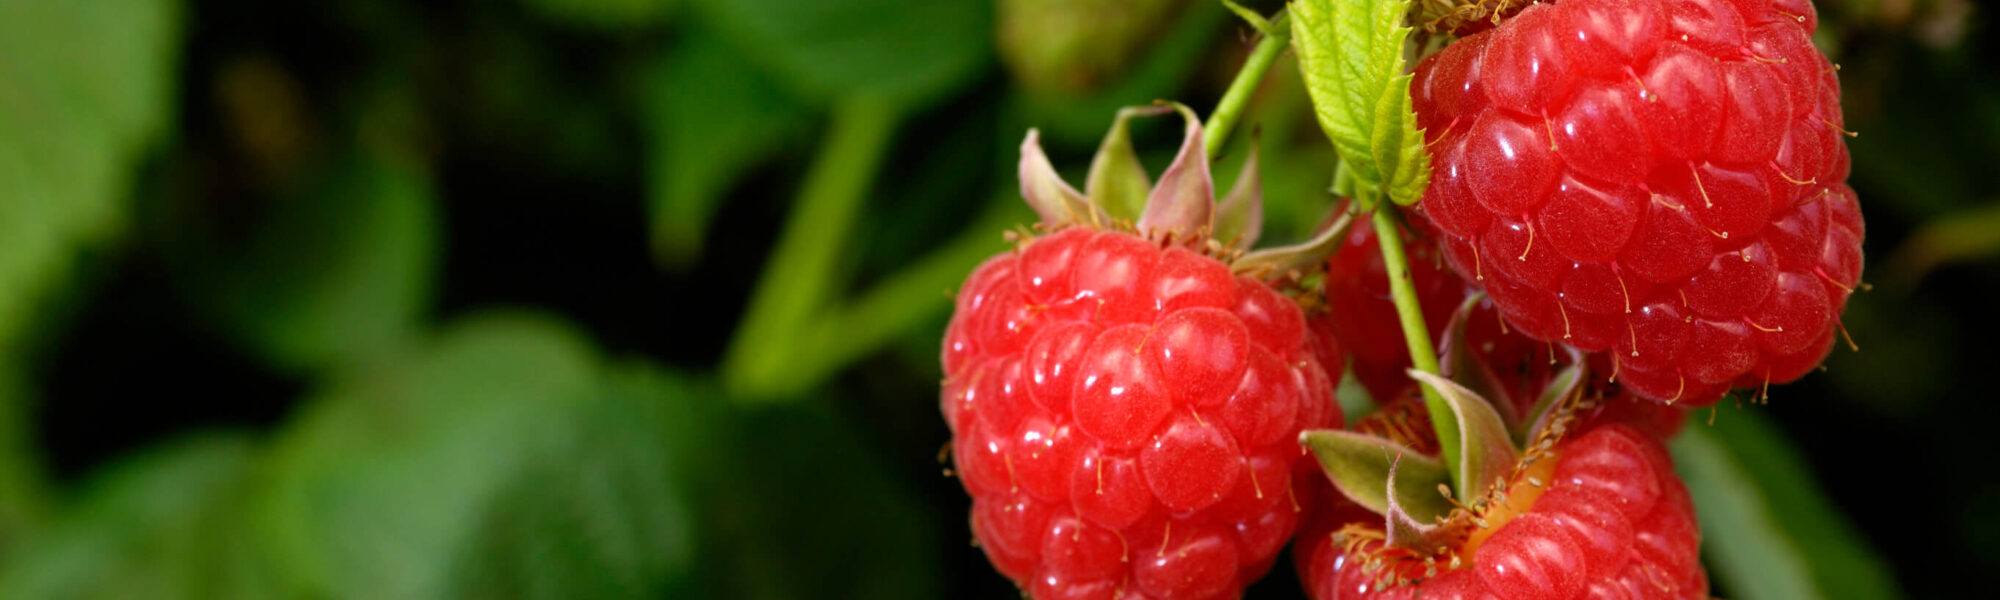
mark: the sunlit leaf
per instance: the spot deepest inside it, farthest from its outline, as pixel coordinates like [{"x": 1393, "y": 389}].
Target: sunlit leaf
[
  {"x": 86, "y": 88},
  {"x": 1351, "y": 55},
  {"x": 1767, "y": 530}
]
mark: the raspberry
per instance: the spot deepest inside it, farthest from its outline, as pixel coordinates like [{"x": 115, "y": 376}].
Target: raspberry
[
  {"x": 1601, "y": 515},
  {"x": 1126, "y": 417},
  {"x": 1125, "y": 409},
  {"x": 1658, "y": 180}
]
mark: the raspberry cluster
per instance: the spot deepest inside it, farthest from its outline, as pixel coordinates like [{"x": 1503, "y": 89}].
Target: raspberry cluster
[
  {"x": 1658, "y": 180},
  {"x": 1126, "y": 417},
  {"x": 1650, "y": 194}
]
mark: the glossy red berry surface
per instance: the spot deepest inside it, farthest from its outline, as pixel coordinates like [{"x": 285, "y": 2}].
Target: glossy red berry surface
[
  {"x": 1661, "y": 181},
  {"x": 1126, "y": 417},
  {"x": 1609, "y": 519}
]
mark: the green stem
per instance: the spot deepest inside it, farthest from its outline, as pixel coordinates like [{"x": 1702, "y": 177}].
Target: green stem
[
  {"x": 799, "y": 276},
  {"x": 1277, "y": 36},
  {"x": 909, "y": 298},
  {"x": 1415, "y": 332}
]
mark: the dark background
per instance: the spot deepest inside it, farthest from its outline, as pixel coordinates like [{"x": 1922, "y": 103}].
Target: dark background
[{"x": 379, "y": 299}]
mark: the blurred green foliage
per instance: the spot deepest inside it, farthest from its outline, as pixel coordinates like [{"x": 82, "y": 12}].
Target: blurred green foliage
[
  {"x": 89, "y": 109},
  {"x": 1767, "y": 529},
  {"x": 615, "y": 298}
]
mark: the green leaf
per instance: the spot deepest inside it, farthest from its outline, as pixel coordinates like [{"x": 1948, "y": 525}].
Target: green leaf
[
  {"x": 901, "y": 52},
  {"x": 309, "y": 296},
  {"x": 162, "y": 525},
  {"x": 1351, "y": 55},
  {"x": 87, "y": 88},
  {"x": 709, "y": 118},
  {"x": 620, "y": 525},
  {"x": 394, "y": 474},
  {"x": 1487, "y": 451},
  {"x": 1768, "y": 531},
  {"x": 1359, "y": 465}
]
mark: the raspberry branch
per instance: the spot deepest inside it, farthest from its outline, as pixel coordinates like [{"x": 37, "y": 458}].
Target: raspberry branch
[
  {"x": 1415, "y": 333},
  {"x": 1276, "y": 34}
]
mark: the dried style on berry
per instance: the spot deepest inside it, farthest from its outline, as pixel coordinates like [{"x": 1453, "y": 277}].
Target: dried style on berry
[
  {"x": 1659, "y": 181},
  {"x": 1126, "y": 392}
]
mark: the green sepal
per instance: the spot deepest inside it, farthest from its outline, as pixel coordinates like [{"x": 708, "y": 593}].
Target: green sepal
[
  {"x": 1053, "y": 199},
  {"x": 1118, "y": 183},
  {"x": 1273, "y": 262},
  {"x": 1239, "y": 219},
  {"x": 1405, "y": 528},
  {"x": 1486, "y": 451},
  {"x": 1458, "y": 362},
  {"x": 1565, "y": 384},
  {"x": 1181, "y": 208},
  {"x": 1351, "y": 58},
  {"x": 1380, "y": 474}
]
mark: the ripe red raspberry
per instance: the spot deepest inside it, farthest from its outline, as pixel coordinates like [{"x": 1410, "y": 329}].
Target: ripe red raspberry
[
  {"x": 1660, "y": 180},
  {"x": 1602, "y": 515},
  {"x": 1126, "y": 410}
]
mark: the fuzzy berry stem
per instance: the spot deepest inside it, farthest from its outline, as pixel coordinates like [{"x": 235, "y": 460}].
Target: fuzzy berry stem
[
  {"x": 1277, "y": 35},
  {"x": 1415, "y": 332}
]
